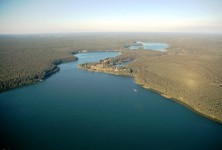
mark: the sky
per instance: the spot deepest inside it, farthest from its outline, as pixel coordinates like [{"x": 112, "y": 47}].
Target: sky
[{"x": 62, "y": 16}]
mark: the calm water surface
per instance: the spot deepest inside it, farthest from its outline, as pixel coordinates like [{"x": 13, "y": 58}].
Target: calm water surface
[{"x": 81, "y": 110}]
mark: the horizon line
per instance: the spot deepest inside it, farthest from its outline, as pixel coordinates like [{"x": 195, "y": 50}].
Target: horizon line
[{"x": 91, "y": 32}]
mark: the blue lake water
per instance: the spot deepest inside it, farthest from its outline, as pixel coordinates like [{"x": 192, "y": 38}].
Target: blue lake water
[
  {"x": 149, "y": 46},
  {"x": 81, "y": 110}
]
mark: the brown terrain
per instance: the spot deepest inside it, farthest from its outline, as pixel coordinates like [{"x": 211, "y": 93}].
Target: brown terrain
[{"x": 189, "y": 71}]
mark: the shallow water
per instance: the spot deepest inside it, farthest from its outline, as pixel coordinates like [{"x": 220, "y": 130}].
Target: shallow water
[{"x": 77, "y": 109}]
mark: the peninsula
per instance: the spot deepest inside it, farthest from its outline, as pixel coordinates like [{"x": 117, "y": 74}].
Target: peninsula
[{"x": 189, "y": 71}]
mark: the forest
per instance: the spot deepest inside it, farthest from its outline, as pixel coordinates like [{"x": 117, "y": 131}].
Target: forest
[{"x": 189, "y": 71}]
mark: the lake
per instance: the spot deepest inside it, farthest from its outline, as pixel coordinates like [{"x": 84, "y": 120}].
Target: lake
[
  {"x": 81, "y": 110},
  {"x": 149, "y": 46}
]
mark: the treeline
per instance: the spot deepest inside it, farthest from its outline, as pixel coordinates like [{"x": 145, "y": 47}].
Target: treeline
[
  {"x": 192, "y": 78},
  {"x": 24, "y": 59},
  {"x": 189, "y": 71}
]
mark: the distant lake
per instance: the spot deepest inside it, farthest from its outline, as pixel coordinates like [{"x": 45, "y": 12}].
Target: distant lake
[
  {"x": 149, "y": 46},
  {"x": 81, "y": 110}
]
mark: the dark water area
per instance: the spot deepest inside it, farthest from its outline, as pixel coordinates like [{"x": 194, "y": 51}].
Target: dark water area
[{"x": 81, "y": 110}]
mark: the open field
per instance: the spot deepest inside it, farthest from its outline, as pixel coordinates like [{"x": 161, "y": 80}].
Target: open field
[{"x": 190, "y": 71}]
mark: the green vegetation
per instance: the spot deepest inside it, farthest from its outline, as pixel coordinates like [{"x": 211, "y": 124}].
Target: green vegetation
[
  {"x": 190, "y": 71},
  {"x": 28, "y": 59}
]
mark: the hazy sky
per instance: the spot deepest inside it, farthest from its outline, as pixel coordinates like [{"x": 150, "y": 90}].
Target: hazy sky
[{"x": 43, "y": 16}]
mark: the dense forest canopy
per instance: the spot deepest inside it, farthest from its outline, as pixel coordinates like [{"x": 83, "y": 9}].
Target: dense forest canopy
[{"x": 189, "y": 71}]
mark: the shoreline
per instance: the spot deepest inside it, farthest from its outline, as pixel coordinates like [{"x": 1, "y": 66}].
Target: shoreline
[
  {"x": 195, "y": 110},
  {"x": 47, "y": 73},
  {"x": 180, "y": 102},
  {"x": 56, "y": 68}
]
